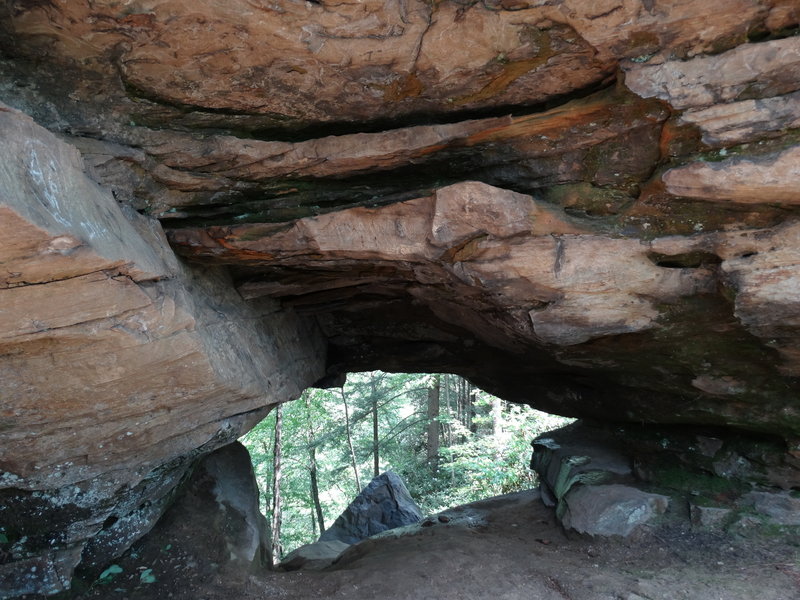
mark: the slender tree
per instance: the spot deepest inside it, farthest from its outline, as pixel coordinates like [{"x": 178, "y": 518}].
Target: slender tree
[
  {"x": 376, "y": 463},
  {"x": 433, "y": 424},
  {"x": 497, "y": 415},
  {"x": 277, "y": 517},
  {"x": 312, "y": 467},
  {"x": 349, "y": 436},
  {"x": 448, "y": 428},
  {"x": 315, "y": 488},
  {"x": 472, "y": 425}
]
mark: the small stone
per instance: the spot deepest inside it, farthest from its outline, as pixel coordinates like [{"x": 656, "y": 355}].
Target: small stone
[
  {"x": 444, "y": 519},
  {"x": 428, "y": 523},
  {"x": 708, "y": 516}
]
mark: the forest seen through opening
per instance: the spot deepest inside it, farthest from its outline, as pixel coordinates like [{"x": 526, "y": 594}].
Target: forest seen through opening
[{"x": 450, "y": 442}]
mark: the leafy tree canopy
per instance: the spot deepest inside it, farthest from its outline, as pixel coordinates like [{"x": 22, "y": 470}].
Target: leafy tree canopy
[{"x": 480, "y": 446}]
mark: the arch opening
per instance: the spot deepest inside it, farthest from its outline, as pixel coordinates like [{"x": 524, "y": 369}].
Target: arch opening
[{"x": 450, "y": 442}]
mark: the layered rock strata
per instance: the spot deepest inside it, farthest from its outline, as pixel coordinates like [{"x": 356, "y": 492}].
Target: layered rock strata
[
  {"x": 476, "y": 273},
  {"x": 606, "y": 481},
  {"x": 119, "y": 365},
  {"x": 587, "y": 207}
]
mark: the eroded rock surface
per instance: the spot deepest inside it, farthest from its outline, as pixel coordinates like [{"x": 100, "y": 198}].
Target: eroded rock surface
[
  {"x": 484, "y": 267},
  {"x": 618, "y": 481},
  {"x": 587, "y": 207},
  {"x": 115, "y": 361}
]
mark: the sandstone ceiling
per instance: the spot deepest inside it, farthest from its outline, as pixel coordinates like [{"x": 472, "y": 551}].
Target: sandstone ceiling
[{"x": 591, "y": 207}]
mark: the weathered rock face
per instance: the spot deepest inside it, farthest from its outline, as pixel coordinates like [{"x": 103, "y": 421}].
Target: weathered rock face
[
  {"x": 588, "y": 207},
  {"x": 119, "y": 365},
  {"x": 474, "y": 271},
  {"x": 616, "y": 481}
]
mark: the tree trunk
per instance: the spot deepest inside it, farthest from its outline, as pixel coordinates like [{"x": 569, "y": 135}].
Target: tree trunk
[
  {"x": 472, "y": 425},
  {"x": 350, "y": 442},
  {"x": 376, "y": 466},
  {"x": 448, "y": 429},
  {"x": 277, "y": 516},
  {"x": 458, "y": 407},
  {"x": 433, "y": 424},
  {"x": 497, "y": 416},
  {"x": 312, "y": 467}
]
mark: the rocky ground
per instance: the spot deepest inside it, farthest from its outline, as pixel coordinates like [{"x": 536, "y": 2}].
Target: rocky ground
[{"x": 508, "y": 547}]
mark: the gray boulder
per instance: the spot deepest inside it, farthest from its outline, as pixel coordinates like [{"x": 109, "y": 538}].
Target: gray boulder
[
  {"x": 384, "y": 504},
  {"x": 780, "y": 508},
  {"x": 711, "y": 517},
  {"x": 610, "y": 510},
  {"x": 314, "y": 557}
]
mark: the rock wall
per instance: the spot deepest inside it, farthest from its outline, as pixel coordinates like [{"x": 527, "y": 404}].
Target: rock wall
[
  {"x": 590, "y": 207},
  {"x": 119, "y": 364},
  {"x": 618, "y": 481}
]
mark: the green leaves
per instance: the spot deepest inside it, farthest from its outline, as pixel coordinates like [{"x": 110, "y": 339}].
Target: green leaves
[
  {"x": 147, "y": 576},
  {"x": 484, "y": 445},
  {"x": 108, "y": 575}
]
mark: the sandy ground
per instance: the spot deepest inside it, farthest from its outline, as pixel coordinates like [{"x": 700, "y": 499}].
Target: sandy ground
[{"x": 504, "y": 548}]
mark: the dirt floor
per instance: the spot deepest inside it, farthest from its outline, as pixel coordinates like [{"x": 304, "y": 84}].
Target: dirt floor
[{"x": 504, "y": 548}]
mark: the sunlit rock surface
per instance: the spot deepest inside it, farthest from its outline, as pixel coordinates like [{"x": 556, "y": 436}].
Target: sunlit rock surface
[
  {"x": 119, "y": 365},
  {"x": 588, "y": 207}
]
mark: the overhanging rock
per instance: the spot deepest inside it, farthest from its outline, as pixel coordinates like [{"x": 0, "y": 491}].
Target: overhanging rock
[{"x": 139, "y": 362}]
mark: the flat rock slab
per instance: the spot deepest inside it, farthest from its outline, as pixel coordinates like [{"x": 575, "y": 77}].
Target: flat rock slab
[
  {"x": 314, "y": 557},
  {"x": 573, "y": 455},
  {"x": 781, "y": 508}
]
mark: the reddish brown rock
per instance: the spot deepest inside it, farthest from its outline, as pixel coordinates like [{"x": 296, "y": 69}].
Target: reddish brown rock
[
  {"x": 626, "y": 277},
  {"x": 329, "y": 62},
  {"x": 581, "y": 140},
  {"x": 520, "y": 277},
  {"x": 118, "y": 362},
  {"x": 510, "y": 249},
  {"x": 745, "y": 121}
]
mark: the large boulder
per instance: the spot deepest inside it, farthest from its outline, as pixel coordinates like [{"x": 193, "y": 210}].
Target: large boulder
[
  {"x": 221, "y": 499},
  {"x": 212, "y": 530},
  {"x": 610, "y": 510},
  {"x": 384, "y": 504},
  {"x": 584, "y": 473}
]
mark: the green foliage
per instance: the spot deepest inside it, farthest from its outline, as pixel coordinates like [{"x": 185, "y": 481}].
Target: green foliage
[
  {"x": 108, "y": 575},
  {"x": 484, "y": 446},
  {"x": 147, "y": 576},
  {"x": 487, "y": 462}
]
